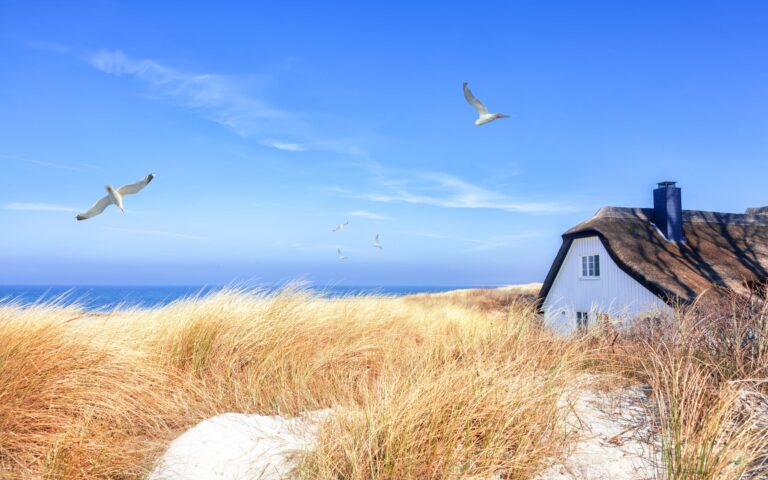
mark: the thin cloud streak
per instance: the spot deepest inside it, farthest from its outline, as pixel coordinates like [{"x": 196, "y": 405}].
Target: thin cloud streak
[
  {"x": 38, "y": 207},
  {"x": 73, "y": 168},
  {"x": 286, "y": 146},
  {"x": 441, "y": 236},
  {"x": 368, "y": 215},
  {"x": 346, "y": 147},
  {"x": 219, "y": 98},
  {"x": 496, "y": 241},
  {"x": 458, "y": 202},
  {"x": 44, "y": 164},
  {"x": 441, "y": 190},
  {"x": 448, "y": 191},
  {"x": 158, "y": 233},
  {"x": 222, "y": 99},
  {"x": 500, "y": 241}
]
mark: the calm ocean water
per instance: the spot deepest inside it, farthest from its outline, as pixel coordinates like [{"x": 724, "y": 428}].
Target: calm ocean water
[{"x": 109, "y": 297}]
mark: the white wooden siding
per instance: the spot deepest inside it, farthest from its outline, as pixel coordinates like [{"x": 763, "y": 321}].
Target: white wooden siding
[{"x": 614, "y": 292}]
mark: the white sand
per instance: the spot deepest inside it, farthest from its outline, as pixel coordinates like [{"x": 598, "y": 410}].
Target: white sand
[
  {"x": 614, "y": 441},
  {"x": 615, "y": 438},
  {"x": 234, "y": 446}
]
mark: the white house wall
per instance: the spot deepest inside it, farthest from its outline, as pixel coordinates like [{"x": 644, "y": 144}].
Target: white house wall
[{"x": 614, "y": 292}]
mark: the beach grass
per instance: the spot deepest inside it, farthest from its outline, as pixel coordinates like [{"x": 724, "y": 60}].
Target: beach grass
[
  {"x": 423, "y": 390},
  {"x": 707, "y": 369},
  {"x": 468, "y": 385}
]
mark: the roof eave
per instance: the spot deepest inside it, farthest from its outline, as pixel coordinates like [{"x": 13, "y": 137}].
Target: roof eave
[{"x": 666, "y": 296}]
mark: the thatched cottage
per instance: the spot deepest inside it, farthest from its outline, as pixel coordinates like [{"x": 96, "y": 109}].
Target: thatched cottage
[{"x": 624, "y": 262}]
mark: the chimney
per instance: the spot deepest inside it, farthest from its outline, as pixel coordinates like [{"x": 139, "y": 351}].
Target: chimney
[{"x": 668, "y": 211}]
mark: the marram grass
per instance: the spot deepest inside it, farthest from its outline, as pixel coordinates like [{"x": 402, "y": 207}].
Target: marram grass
[
  {"x": 448, "y": 386},
  {"x": 421, "y": 391}
]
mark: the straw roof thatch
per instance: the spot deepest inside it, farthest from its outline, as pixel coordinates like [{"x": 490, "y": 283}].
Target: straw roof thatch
[{"x": 723, "y": 250}]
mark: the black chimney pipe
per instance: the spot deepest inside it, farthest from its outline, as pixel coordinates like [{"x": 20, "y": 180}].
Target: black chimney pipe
[{"x": 668, "y": 211}]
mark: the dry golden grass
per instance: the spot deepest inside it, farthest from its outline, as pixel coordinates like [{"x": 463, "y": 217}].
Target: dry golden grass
[
  {"x": 483, "y": 299},
  {"x": 707, "y": 366},
  {"x": 422, "y": 391},
  {"x": 706, "y": 431},
  {"x": 459, "y": 385}
]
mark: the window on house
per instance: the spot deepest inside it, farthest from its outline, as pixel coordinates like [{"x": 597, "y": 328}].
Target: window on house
[
  {"x": 590, "y": 266},
  {"x": 582, "y": 319}
]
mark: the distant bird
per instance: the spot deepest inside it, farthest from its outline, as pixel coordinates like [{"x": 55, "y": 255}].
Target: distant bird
[
  {"x": 340, "y": 226},
  {"x": 341, "y": 255},
  {"x": 376, "y": 242},
  {"x": 115, "y": 197},
  {"x": 484, "y": 116}
]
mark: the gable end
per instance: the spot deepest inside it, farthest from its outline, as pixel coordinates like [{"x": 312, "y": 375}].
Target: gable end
[{"x": 666, "y": 296}]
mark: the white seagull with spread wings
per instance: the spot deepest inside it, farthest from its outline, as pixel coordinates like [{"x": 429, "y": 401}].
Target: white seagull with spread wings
[
  {"x": 341, "y": 255},
  {"x": 376, "y": 242},
  {"x": 484, "y": 116},
  {"x": 115, "y": 196}
]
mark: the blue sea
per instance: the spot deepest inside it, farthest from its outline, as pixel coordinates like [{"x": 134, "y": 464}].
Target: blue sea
[{"x": 110, "y": 297}]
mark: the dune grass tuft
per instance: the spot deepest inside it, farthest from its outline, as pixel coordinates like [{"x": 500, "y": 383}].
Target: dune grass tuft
[
  {"x": 444, "y": 386},
  {"x": 421, "y": 391}
]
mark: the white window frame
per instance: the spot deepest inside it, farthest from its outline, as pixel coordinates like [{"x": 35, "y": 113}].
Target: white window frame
[
  {"x": 582, "y": 320},
  {"x": 581, "y": 267}
]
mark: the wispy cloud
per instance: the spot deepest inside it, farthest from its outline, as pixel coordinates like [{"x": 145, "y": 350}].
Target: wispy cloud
[
  {"x": 157, "y": 233},
  {"x": 224, "y": 99},
  {"x": 303, "y": 247},
  {"x": 220, "y": 98},
  {"x": 341, "y": 146},
  {"x": 75, "y": 168},
  {"x": 448, "y": 191},
  {"x": 38, "y": 207},
  {"x": 41, "y": 163},
  {"x": 368, "y": 215},
  {"x": 500, "y": 241},
  {"x": 441, "y": 190},
  {"x": 287, "y": 146},
  {"x": 495, "y": 241},
  {"x": 442, "y": 236}
]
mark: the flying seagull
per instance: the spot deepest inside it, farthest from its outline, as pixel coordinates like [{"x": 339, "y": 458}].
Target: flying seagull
[
  {"x": 484, "y": 116},
  {"x": 116, "y": 197},
  {"x": 341, "y": 255},
  {"x": 340, "y": 226},
  {"x": 376, "y": 242}
]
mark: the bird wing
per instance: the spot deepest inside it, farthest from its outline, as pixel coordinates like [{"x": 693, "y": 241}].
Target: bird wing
[
  {"x": 339, "y": 251},
  {"x": 472, "y": 100},
  {"x": 377, "y": 238},
  {"x": 96, "y": 209},
  {"x": 132, "y": 188}
]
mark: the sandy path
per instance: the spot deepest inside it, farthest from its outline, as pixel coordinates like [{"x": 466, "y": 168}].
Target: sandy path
[
  {"x": 614, "y": 437},
  {"x": 233, "y": 446}
]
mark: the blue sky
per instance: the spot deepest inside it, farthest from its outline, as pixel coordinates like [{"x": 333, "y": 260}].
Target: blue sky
[{"x": 267, "y": 123}]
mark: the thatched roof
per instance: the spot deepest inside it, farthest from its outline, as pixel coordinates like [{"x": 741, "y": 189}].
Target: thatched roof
[{"x": 724, "y": 250}]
